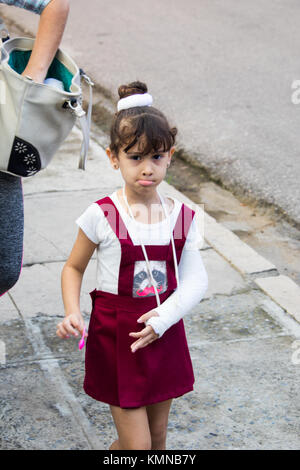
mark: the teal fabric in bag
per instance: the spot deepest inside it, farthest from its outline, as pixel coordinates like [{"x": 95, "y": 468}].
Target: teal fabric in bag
[{"x": 18, "y": 61}]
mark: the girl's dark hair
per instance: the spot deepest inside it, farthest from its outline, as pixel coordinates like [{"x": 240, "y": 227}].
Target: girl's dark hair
[{"x": 130, "y": 124}]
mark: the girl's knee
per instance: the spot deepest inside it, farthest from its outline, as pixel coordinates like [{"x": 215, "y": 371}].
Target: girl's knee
[
  {"x": 139, "y": 443},
  {"x": 132, "y": 427},
  {"x": 158, "y": 438}
]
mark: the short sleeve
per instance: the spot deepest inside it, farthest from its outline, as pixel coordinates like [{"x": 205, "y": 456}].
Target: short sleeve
[
  {"x": 36, "y": 6},
  {"x": 194, "y": 239},
  {"x": 93, "y": 223}
]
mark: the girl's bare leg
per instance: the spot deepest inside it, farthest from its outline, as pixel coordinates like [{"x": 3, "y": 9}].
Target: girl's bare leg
[
  {"x": 158, "y": 415},
  {"x": 132, "y": 427}
]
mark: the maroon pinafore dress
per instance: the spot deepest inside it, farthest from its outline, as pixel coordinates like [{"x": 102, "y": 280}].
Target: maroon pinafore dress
[{"x": 162, "y": 369}]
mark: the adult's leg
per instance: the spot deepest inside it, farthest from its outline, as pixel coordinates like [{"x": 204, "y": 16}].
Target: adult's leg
[
  {"x": 158, "y": 415},
  {"x": 132, "y": 427},
  {"x": 11, "y": 230}
]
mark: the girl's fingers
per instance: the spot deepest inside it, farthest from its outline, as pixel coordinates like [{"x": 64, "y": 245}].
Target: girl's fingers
[
  {"x": 141, "y": 333},
  {"x": 147, "y": 330},
  {"x": 65, "y": 328},
  {"x": 141, "y": 344},
  {"x": 69, "y": 327},
  {"x": 61, "y": 331},
  {"x": 146, "y": 338},
  {"x": 147, "y": 315},
  {"x": 58, "y": 333}
]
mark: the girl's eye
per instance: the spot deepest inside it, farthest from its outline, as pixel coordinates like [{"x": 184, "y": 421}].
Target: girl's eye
[
  {"x": 135, "y": 157},
  {"x": 157, "y": 157}
]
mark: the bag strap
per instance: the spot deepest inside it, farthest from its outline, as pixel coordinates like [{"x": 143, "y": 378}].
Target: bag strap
[
  {"x": 4, "y": 34},
  {"x": 86, "y": 125},
  {"x": 83, "y": 118}
]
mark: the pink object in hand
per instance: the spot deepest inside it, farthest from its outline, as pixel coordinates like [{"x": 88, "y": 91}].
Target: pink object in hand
[{"x": 81, "y": 342}]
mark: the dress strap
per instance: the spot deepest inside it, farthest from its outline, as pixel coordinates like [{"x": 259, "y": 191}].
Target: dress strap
[
  {"x": 183, "y": 224},
  {"x": 115, "y": 220}
]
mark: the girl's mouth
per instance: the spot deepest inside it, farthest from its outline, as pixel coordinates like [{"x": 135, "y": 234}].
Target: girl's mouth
[{"x": 145, "y": 182}]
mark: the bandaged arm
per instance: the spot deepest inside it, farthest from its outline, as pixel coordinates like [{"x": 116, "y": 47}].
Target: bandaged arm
[{"x": 193, "y": 284}]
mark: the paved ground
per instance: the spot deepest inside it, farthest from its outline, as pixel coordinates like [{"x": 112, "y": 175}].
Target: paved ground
[
  {"x": 244, "y": 337},
  {"x": 222, "y": 71},
  {"x": 243, "y": 344}
]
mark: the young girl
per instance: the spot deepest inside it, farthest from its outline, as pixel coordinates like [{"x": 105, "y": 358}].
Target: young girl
[{"x": 149, "y": 275}]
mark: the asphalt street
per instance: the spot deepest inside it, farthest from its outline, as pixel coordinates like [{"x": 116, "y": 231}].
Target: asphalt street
[{"x": 222, "y": 71}]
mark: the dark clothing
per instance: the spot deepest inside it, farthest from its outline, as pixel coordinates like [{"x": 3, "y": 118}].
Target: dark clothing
[{"x": 11, "y": 230}]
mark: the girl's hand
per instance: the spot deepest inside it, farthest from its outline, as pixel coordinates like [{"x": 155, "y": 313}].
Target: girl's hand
[
  {"x": 69, "y": 325},
  {"x": 147, "y": 335}
]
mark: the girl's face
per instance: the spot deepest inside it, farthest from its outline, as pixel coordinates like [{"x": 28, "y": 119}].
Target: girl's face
[{"x": 141, "y": 173}]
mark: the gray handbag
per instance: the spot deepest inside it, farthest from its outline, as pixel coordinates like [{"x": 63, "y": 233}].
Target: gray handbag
[{"x": 36, "y": 118}]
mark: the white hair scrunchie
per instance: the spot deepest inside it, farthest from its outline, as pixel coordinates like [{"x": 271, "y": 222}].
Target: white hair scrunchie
[{"x": 141, "y": 99}]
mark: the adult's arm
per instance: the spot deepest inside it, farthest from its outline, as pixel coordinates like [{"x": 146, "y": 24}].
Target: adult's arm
[{"x": 50, "y": 31}]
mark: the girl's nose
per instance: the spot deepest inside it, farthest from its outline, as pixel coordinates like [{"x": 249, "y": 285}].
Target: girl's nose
[{"x": 147, "y": 170}]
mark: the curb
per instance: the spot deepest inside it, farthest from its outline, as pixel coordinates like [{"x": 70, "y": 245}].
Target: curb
[
  {"x": 281, "y": 289},
  {"x": 240, "y": 255},
  {"x": 284, "y": 291}
]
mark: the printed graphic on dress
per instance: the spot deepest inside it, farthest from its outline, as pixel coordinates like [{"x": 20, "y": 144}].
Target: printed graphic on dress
[{"x": 142, "y": 285}]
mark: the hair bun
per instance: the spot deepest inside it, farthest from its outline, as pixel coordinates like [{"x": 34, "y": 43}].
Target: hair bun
[{"x": 134, "y": 88}]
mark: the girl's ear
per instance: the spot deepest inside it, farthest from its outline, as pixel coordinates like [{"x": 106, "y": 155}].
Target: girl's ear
[
  {"x": 112, "y": 158},
  {"x": 108, "y": 152},
  {"x": 171, "y": 151}
]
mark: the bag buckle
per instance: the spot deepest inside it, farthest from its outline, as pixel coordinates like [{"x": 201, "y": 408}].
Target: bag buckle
[
  {"x": 75, "y": 108},
  {"x": 86, "y": 78}
]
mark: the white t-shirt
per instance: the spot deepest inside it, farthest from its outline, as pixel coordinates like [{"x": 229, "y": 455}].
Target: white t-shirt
[{"x": 192, "y": 274}]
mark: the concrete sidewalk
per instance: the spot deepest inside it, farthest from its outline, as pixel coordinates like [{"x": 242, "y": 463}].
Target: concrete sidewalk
[{"x": 242, "y": 336}]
